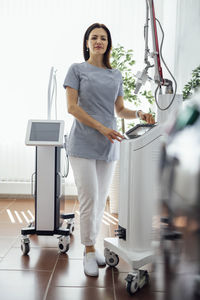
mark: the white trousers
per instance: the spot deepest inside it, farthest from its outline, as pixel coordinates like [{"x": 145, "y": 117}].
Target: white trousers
[{"x": 92, "y": 178}]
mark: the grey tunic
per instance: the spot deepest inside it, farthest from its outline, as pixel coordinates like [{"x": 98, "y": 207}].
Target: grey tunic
[{"x": 98, "y": 90}]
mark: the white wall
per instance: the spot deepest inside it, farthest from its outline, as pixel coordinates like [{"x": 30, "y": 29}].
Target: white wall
[
  {"x": 181, "y": 23},
  {"x": 187, "y": 55}
]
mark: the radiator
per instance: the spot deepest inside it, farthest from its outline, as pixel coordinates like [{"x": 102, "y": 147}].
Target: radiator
[
  {"x": 16, "y": 161},
  {"x": 17, "y": 164}
]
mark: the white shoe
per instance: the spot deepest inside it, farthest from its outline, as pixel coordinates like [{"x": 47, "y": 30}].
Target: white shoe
[
  {"x": 90, "y": 264},
  {"x": 100, "y": 259}
]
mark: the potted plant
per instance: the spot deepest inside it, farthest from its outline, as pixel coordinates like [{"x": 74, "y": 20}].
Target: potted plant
[
  {"x": 122, "y": 60},
  {"x": 193, "y": 84}
]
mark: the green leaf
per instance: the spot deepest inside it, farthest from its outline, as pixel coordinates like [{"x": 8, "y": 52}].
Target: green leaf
[
  {"x": 193, "y": 83},
  {"x": 123, "y": 60}
]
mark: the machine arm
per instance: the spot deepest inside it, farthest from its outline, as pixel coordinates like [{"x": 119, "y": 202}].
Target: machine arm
[
  {"x": 155, "y": 54},
  {"x": 158, "y": 75}
]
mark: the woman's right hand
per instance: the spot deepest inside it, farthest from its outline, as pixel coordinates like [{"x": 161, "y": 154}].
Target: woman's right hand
[{"x": 111, "y": 134}]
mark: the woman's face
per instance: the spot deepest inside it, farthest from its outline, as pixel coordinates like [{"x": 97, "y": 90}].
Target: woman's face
[{"x": 97, "y": 41}]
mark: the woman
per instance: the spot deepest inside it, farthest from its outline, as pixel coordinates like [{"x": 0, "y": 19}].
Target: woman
[{"x": 94, "y": 90}]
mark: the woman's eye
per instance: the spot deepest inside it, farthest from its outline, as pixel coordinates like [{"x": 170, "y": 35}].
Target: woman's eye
[{"x": 94, "y": 38}]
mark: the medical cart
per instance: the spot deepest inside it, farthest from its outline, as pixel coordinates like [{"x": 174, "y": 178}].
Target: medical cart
[{"x": 47, "y": 138}]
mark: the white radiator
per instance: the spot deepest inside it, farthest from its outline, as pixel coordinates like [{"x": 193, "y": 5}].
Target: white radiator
[
  {"x": 16, "y": 167},
  {"x": 17, "y": 164},
  {"x": 16, "y": 161}
]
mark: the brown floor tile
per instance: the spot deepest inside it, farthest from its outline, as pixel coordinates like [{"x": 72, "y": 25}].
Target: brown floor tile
[
  {"x": 71, "y": 205},
  {"x": 10, "y": 229},
  {"x": 5, "y": 203},
  {"x": 12, "y": 222},
  {"x": 69, "y": 272},
  {"x": 38, "y": 259},
  {"x": 23, "y": 277},
  {"x": 181, "y": 287},
  {"x": 4, "y": 217},
  {"x": 5, "y": 244},
  {"x": 21, "y": 285},
  {"x": 81, "y": 293},
  {"x": 23, "y": 203}
]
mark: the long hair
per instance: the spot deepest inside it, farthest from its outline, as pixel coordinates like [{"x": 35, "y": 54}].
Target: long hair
[{"x": 106, "y": 56}]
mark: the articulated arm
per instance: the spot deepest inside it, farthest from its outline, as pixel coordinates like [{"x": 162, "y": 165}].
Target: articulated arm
[{"x": 143, "y": 76}]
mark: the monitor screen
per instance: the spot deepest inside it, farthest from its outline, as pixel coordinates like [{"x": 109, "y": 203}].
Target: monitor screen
[
  {"x": 140, "y": 131},
  {"x": 48, "y": 132}
]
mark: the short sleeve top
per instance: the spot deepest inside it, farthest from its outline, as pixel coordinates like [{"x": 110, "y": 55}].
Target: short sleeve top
[{"x": 98, "y": 90}]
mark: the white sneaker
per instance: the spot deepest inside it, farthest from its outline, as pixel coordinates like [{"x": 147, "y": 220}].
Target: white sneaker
[
  {"x": 90, "y": 264},
  {"x": 100, "y": 259}
]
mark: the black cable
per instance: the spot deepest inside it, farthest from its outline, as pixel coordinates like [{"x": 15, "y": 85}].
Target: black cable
[{"x": 175, "y": 83}]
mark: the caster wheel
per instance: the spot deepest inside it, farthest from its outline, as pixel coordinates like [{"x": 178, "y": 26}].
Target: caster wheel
[
  {"x": 132, "y": 287},
  {"x": 112, "y": 259},
  {"x": 71, "y": 228},
  {"x": 25, "y": 247},
  {"x": 136, "y": 280},
  {"x": 132, "y": 284},
  {"x": 62, "y": 248},
  {"x": 63, "y": 244}
]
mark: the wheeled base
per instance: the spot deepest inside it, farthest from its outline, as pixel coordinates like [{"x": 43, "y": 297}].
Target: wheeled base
[
  {"x": 137, "y": 278},
  {"x": 64, "y": 234}
]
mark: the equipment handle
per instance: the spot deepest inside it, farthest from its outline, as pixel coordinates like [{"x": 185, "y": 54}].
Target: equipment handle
[
  {"x": 60, "y": 175},
  {"x": 32, "y": 189}
]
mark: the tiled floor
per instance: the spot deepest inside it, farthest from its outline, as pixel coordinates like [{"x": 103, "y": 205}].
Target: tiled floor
[{"x": 46, "y": 274}]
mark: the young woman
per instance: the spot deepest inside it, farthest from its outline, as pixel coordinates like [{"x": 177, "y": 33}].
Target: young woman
[{"x": 94, "y": 92}]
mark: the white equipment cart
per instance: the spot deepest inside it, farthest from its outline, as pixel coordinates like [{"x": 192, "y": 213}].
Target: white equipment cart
[
  {"x": 138, "y": 166},
  {"x": 138, "y": 197},
  {"x": 47, "y": 137}
]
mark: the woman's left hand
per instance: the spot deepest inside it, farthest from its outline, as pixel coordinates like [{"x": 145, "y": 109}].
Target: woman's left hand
[{"x": 146, "y": 117}]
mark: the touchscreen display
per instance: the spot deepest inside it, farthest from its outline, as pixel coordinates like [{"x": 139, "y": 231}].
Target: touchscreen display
[
  {"x": 45, "y": 132},
  {"x": 139, "y": 131}
]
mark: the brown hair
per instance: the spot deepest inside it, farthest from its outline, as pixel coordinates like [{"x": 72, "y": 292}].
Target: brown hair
[{"x": 106, "y": 57}]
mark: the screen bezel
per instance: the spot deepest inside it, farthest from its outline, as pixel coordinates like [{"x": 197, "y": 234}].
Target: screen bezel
[{"x": 59, "y": 142}]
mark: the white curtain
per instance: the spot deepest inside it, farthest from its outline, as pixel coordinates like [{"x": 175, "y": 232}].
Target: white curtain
[{"x": 38, "y": 34}]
